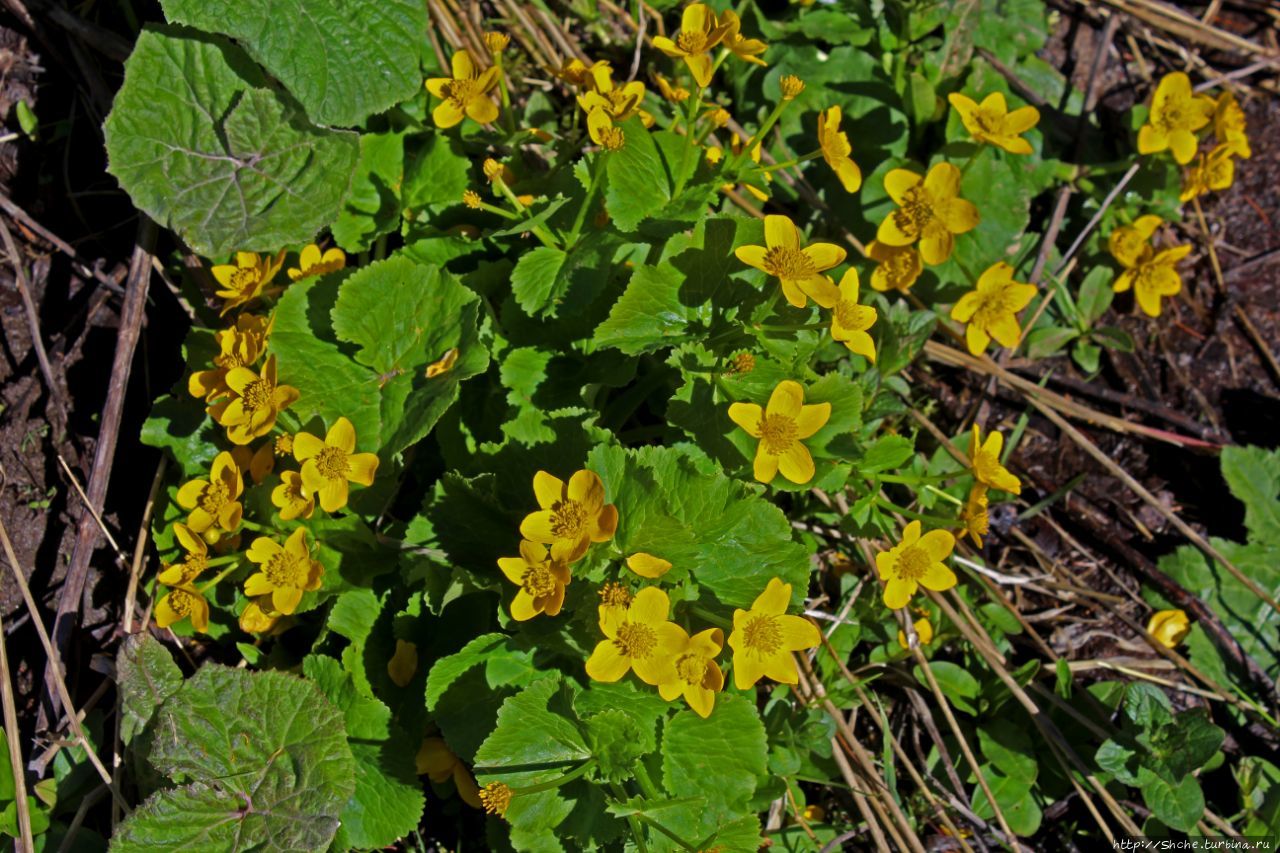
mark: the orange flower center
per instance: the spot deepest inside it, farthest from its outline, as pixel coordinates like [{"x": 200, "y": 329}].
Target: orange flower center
[
  {"x": 691, "y": 668},
  {"x": 692, "y": 42},
  {"x": 538, "y": 581},
  {"x": 257, "y": 395},
  {"x": 916, "y": 211},
  {"x": 778, "y": 432},
  {"x": 214, "y": 497},
  {"x": 762, "y": 635},
  {"x": 181, "y": 602},
  {"x": 284, "y": 445},
  {"x": 286, "y": 570},
  {"x": 992, "y": 305},
  {"x": 612, "y": 138},
  {"x": 568, "y": 518},
  {"x": 912, "y": 563},
  {"x": 853, "y": 316},
  {"x": 496, "y": 798},
  {"x": 191, "y": 567},
  {"x": 989, "y": 122},
  {"x": 244, "y": 280},
  {"x": 786, "y": 262},
  {"x": 332, "y": 463},
  {"x": 461, "y": 92},
  {"x": 635, "y": 640},
  {"x": 614, "y": 595},
  {"x": 900, "y": 270}
]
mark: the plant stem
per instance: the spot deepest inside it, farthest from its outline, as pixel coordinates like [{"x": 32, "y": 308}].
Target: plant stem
[
  {"x": 769, "y": 122},
  {"x": 704, "y": 613},
  {"x": 597, "y": 170},
  {"x": 690, "y": 119},
  {"x": 636, "y": 832},
  {"x": 812, "y": 155},
  {"x": 538, "y": 231},
  {"x": 792, "y": 327},
  {"x": 916, "y": 516},
  {"x": 648, "y": 821},
  {"x": 576, "y": 772},
  {"x": 646, "y": 783},
  {"x": 914, "y": 479},
  {"x": 507, "y": 118},
  {"x": 219, "y": 576}
]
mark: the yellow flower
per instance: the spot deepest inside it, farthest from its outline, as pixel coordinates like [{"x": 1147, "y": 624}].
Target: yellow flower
[
  {"x": 696, "y": 675},
  {"x": 603, "y": 133},
  {"x": 764, "y": 637},
  {"x": 311, "y": 262},
  {"x": 647, "y": 565},
  {"x": 258, "y": 616},
  {"x": 639, "y": 639},
  {"x": 670, "y": 91},
  {"x": 614, "y": 600},
  {"x": 465, "y": 94},
  {"x": 790, "y": 86},
  {"x": 192, "y": 565},
  {"x": 990, "y": 310},
  {"x": 930, "y": 211},
  {"x": 291, "y": 497},
  {"x": 914, "y": 562},
  {"x": 1169, "y": 627},
  {"x": 442, "y": 365},
  {"x": 246, "y": 279},
  {"x": 575, "y": 72},
  {"x": 286, "y": 571},
  {"x": 257, "y": 463},
  {"x": 800, "y": 270},
  {"x": 256, "y": 402},
  {"x": 472, "y": 199},
  {"x": 496, "y": 42},
  {"x": 619, "y": 102},
  {"x": 541, "y": 580},
  {"x": 403, "y": 664},
  {"x": 991, "y": 121},
  {"x": 327, "y": 466},
  {"x": 179, "y": 603},
  {"x": 850, "y": 321},
  {"x": 923, "y": 630},
  {"x": 836, "y": 149},
  {"x": 1215, "y": 171},
  {"x": 781, "y": 427},
  {"x": 496, "y": 798},
  {"x": 973, "y": 515},
  {"x": 1176, "y": 114},
  {"x": 985, "y": 458},
  {"x": 438, "y": 763},
  {"x": 239, "y": 346},
  {"x": 1154, "y": 275},
  {"x": 897, "y": 267},
  {"x": 1229, "y": 126},
  {"x": 699, "y": 33},
  {"x": 1129, "y": 243},
  {"x": 215, "y": 502},
  {"x": 737, "y": 44},
  {"x": 572, "y": 515}
]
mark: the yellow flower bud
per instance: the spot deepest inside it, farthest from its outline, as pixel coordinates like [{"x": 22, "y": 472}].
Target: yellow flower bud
[
  {"x": 471, "y": 199},
  {"x": 492, "y": 169},
  {"x": 791, "y": 85},
  {"x": 496, "y": 42},
  {"x": 496, "y": 798},
  {"x": 720, "y": 117}
]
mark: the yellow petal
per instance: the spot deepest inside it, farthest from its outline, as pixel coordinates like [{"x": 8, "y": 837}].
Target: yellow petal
[
  {"x": 812, "y": 418},
  {"x": 774, "y": 600},
  {"x": 363, "y": 467},
  {"x": 796, "y": 464},
  {"x": 765, "y": 466},
  {"x": 607, "y": 663},
  {"x": 897, "y": 182},
  {"x": 647, "y": 565},
  {"x": 745, "y": 415},
  {"x": 897, "y": 592},
  {"x": 650, "y": 606},
  {"x": 938, "y": 578},
  {"x": 342, "y": 435},
  {"x": 786, "y": 400},
  {"x": 781, "y": 231}
]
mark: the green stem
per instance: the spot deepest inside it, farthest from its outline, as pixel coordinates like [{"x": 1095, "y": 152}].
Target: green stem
[
  {"x": 773, "y": 301},
  {"x": 913, "y": 479},
  {"x": 507, "y": 118},
  {"x": 648, "y": 821},
  {"x": 597, "y": 170},
  {"x": 916, "y": 516},
  {"x": 493, "y": 208},
  {"x": 258, "y": 528},
  {"x": 813, "y": 155},
  {"x": 636, "y": 831},
  {"x": 222, "y": 561},
  {"x": 792, "y": 327},
  {"x": 538, "y": 231},
  {"x": 690, "y": 120},
  {"x": 646, "y": 783},
  {"x": 291, "y": 422},
  {"x": 575, "y": 773},
  {"x": 736, "y": 162},
  {"x": 704, "y": 613},
  {"x": 219, "y": 576}
]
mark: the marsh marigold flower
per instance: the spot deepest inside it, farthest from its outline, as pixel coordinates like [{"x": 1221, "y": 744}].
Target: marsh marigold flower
[
  {"x": 1215, "y": 171},
  {"x": 1129, "y": 243},
  {"x": 603, "y": 132},
  {"x": 992, "y": 123},
  {"x": 736, "y": 43},
  {"x": 619, "y": 102},
  {"x": 897, "y": 267},
  {"x": 180, "y": 603},
  {"x": 575, "y": 72},
  {"x": 403, "y": 664},
  {"x": 214, "y": 503},
  {"x": 782, "y": 427},
  {"x": 541, "y": 580},
  {"x": 496, "y": 42},
  {"x": 924, "y": 631},
  {"x": 239, "y": 346},
  {"x": 258, "y": 616},
  {"x": 647, "y": 565},
  {"x": 256, "y": 402},
  {"x": 764, "y": 637},
  {"x": 572, "y": 515},
  {"x": 313, "y": 262},
  {"x": 799, "y": 269},
  {"x": 465, "y": 94},
  {"x": 1229, "y": 126},
  {"x": 974, "y": 520},
  {"x": 696, "y": 676},
  {"x": 1151, "y": 274},
  {"x": 192, "y": 565},
  {"x": 991, "y": 309},
  {"x": 292, "y": 498},
  {"x": 930, "y": 211},
  {"x": 1169, "y": 627},
  {"x": 614, "y": 599},
  {"x": 329, "y": 465},
  {"x": 987, "y": 468},
  {"x": 639, "y": 639},
  {"x": 1176, "y": 114},
  {"x": 496, "y": 798},
  {"x": 699, "y": 33},
  {"x": 790, "y": 86},
  {"x": 285, "y": 571},
  {"x": 438, "y": 763},
  {"x": 915, "y": 562},
  {"x": 246, "y": 279},
  {"x": 670, "y": 91},
  {"x": 836, "y": 149},
  {"x": 850, "y": 321}
]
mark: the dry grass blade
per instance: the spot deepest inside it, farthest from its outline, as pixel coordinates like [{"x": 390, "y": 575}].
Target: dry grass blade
[
  {"x": 1184, "y": 26},
  {"x": 14, "y": 736},
  {"x": 33, "y": 321}
]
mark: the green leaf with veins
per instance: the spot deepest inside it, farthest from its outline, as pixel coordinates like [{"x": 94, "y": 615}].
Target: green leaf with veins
[
  {"x": 344, "y": 60},
  {"x": 201, "y": 145},
  {"x": 145, "y": 676}
]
